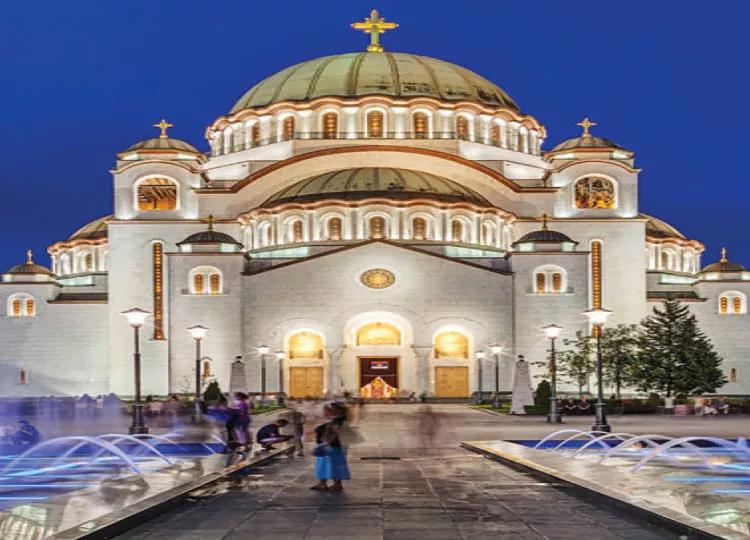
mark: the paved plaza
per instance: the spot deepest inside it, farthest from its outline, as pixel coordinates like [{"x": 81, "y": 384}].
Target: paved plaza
[{"x": 407, "y": 485}]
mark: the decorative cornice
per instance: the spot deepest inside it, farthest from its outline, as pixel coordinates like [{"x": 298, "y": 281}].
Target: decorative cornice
[
  {"x": 573, "y": 162},
  {"x": 180, "y": 164}
]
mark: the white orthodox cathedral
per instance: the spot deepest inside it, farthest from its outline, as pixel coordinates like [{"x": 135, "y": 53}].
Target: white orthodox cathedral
[{"x": 364, "y": 216}]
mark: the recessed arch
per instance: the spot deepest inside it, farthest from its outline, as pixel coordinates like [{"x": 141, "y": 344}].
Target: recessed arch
[
  {"x": 595, "y": 191},
  {"x": 206, "y": 280},
  {"x": 156, "y": 193},
  {"x": 21, "y": 305},
  {"x": 305, "y": 344},
  {"x": 378, "y": 333},
  {"x": 732, "y": 303},
  {"x": 451, "y": 343}
]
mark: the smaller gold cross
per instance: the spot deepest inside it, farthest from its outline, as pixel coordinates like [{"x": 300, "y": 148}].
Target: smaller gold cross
[
  {"x": 211, "y": 222},
  {"x": 586, "y": 124},
  {"x": 544, "y": 222},
  {"x": 723, "y": 254},
  {"x": 374, "y": 26},
  {"x": 163, "y": 126},
  {"x": 28, "y": 257}
]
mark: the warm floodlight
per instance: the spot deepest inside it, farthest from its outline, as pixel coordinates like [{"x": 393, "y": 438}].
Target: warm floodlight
[
  {"x": 496, "y": 348},
  {"x": 263, "y": 349},
  {"x": 198, "y": 331},
  {"x": 552, "y": 331},
  {"x": 597, "y": 316}
]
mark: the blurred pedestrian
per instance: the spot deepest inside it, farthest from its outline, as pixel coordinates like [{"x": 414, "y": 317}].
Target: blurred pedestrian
[
  {"x": 298, "y": 425},
  {"x": 429, "y": 425},
  {"x": 269, "y": 434},
  {"x": 330, "y": 453}
]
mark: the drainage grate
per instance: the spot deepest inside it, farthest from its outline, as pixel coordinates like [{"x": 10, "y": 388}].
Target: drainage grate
[{"x": 380, "y": 458}]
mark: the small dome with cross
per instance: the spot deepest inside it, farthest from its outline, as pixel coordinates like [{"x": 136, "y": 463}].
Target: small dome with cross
[
  {"x": 587, "y": 141},
  {"x": 162, "y": 143},
  {"x": 27, "y": 269}
]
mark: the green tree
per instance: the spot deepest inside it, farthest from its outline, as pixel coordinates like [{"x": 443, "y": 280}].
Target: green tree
[
  {"x": 212, "y": 393},
  {"x": 674, "y": 356},
  {"x": 577, "y": 364},
  {"x": 542, "y": 395},
  {"x": 619, "y": 347}
]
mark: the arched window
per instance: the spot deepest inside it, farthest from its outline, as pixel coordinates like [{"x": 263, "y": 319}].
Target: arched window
[
  {"x": 378, "y": 334},
  {"x": 377, "y": 227},
  {"x": 330, "y": 125},
  {"x": 206, "y": 371},
  {"x": 333, "y": 228},
  {"x": 732, "y": 303},
  {"x": 495, "y": 134},
  {"x": 264, "y": 234},
  {"x": 733, "y": 375},
  {"x": 21, "y": 305},
  {"x": 488, "y": 232},
  {"x": 88, "y": 262},
  {"x": 255, "y": 134},
  {"x": 451, "y": 345},
  {"x": 375, "y": 124},
  {"x": 419, "y": 228},
  {"x": 157, "y": 194},
  {"x": 549, "y": 279},
  {"x": 288, "y": 128},
  {"x": 457, "y": 231},
  {"x": 297, "y": 231},
  {"x": 308, "y": 345},
  {"x": 206, "y": 280},
  {"x": 462, "y": 127},
  {"x": 594, "y": 192},
  {"x": 65, "y": 264},
  {"x": 214, "y": 281},
  {"x": 420, "y": 125}
]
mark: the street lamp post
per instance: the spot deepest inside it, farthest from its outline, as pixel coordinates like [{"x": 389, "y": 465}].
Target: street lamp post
[
  {"x": 480, "y": 361},
  {"x": 280, "y": 357},
  {"x": 597, "y": 317},
  {"x": 552, "y": 331},
  {"x": 263, "y": 351},
  {"x": 198, "y": 332},
  {"x": 136, "y": 318},
  {"x": 496, "y": 350}
]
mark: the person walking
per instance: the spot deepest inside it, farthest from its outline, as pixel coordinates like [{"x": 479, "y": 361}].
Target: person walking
[
  {"x": 239, "y": 424},
  {"x": 298, "y": 426},
  {"x": 330, "y": 453}
]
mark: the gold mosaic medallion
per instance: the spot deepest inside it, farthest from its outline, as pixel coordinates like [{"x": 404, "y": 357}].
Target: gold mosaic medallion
[{"x": 377, "y": 278}]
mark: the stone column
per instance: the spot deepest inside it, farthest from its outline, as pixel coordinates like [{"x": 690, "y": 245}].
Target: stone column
[
  {"x": 335, "y": 382},
  {"x": 422, "y": 353}
]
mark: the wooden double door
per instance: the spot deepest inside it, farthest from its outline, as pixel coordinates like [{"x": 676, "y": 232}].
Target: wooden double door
[
  {"x": 305, "y": 382},
  {"x": 452, "y": 381}
]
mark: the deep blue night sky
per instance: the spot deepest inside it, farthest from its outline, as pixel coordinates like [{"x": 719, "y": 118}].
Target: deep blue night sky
[{"x": 82, "y": 80}]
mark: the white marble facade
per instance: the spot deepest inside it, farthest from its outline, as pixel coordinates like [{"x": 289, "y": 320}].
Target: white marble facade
[{"x": 478, "y": 230}]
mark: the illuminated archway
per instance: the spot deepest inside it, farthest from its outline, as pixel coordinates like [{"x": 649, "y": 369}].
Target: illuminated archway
[{"x": 378, "y": 333}]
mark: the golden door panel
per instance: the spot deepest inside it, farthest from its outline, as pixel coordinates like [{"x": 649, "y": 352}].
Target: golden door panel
[
  {"x": 306, "y": 382},
  {"x": 452, "y": 381}
]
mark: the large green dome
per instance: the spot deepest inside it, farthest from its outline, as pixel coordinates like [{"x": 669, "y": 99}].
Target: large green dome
[
  {"x": 376, "y": 182},
  {"x": 354, "y": 75}
]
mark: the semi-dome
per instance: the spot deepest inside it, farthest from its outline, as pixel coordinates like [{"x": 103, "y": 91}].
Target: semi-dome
[
  {"x": 29, "y": 267},
  {"x": 376, "y": 182},
  {"x": 354, "y": 75},
  {"x": 724, "y": 265},
  {"x": 93, "y": 230},
  {"x": 209, "y": 237},
  {"x": 163, "y": 143},
  {"x": 545, "y": 236},
  {"x": 657, "y": 228},
  {"x": 587, "y": 142}
]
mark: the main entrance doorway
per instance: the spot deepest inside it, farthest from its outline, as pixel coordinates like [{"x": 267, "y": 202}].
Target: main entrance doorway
[
  {"x": 452, "y": 381},
  {"x": 378, "y": 376},
  {"x": 305, "y": 382}
]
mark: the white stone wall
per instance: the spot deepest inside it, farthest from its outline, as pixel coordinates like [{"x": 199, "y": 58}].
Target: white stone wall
[
  {"x": 221, "y": 314},
  {"x": 534, "y": 311},
  {"x": 62, "y": 349},
  {"x": 728, "y": 333},
  {"x": 323, "y": 294}
]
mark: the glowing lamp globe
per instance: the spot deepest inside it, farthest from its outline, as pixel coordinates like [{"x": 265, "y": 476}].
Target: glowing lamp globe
[
  {"x": 136, "y": 317},
  {"x": 597, "y": 316},
  {"x": 496, "y": 349},
  {"x": 263, "y": 349},
  {"x": 480, "y": 355},
  {"x": 198, "y": 331},
  {"x": 280, "y": 355},
  {"x": 552, "y": 331}
]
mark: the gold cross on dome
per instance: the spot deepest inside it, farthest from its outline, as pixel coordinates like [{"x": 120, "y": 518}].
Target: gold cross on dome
[
  {"x": 586, "y": 124},
  {"x": 544, "y": 222},
  {"x": 210, "y": 222},
  {"x": 29, "y": 255},
  {"x": 163, "y": 126},
  {"x": 723, "y": 254},
  {"x": 374, "y": 26}
]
